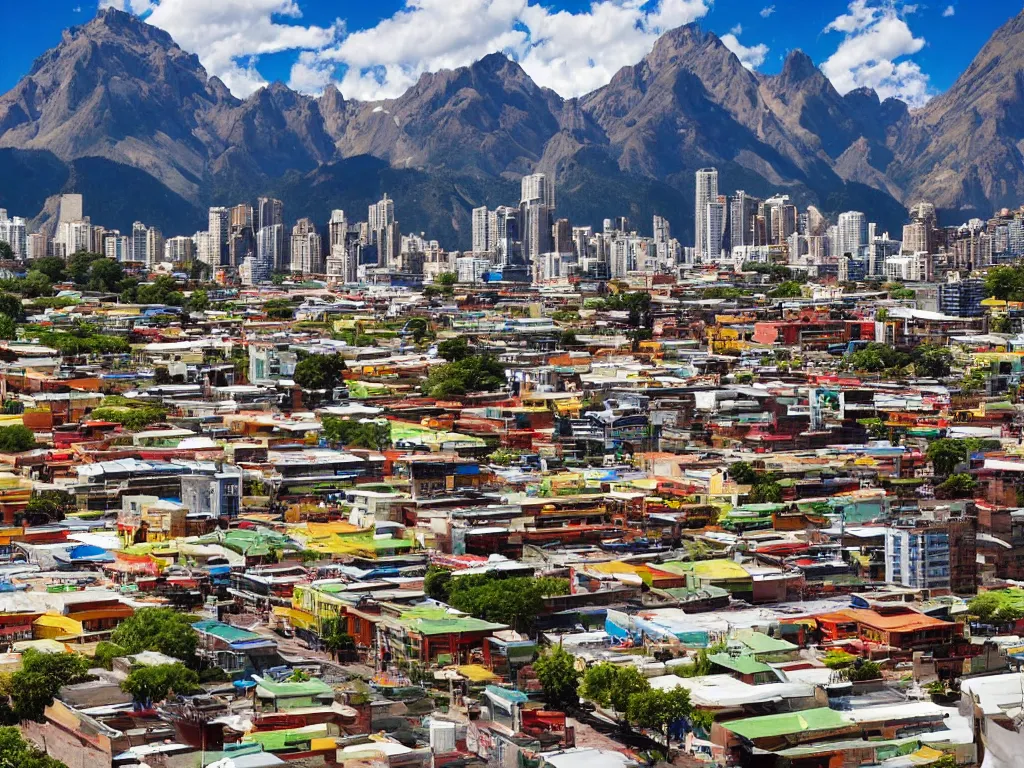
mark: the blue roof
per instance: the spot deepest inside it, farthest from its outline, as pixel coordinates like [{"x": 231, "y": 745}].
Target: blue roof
[{"x": 516, "y": 697}]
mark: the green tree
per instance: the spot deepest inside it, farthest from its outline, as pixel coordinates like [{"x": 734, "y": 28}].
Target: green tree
[
  {"x": 876, "y": 357},
  {"x": 199, "y": 301},
  {"x": 742, "y": 473},
  {"x": 932, "y": 362},
  {"x": 480, "y": 373},
  {"x": 437, "y": 582},
  {"x": 11, "y": 306},
  {"x": 106, "y": 652},
  {"x": 319, "y": 372},
  {"x": 597, "y": 683},
  {"x": 375, "y": 435},
  {"x": 1005, "y": 282},
  {"x": 448, "y": 279},
  {"x": 163, "y": 290},
  {"x": 628, "y": 682},
  {"x": 790, "y": 289},
  {"x": 132, "y": 418},
  {"x": 6, "y": 252},
  {"x": 154, "y": 684},
  {"x": 959, "y": 486},
  {"x": 41, "y": 676},
  {"x": 36, "y": 284},
  {"x": 658, "y": 710},
  {"x": 279, "y": 309},
  {"x": 516, "y": 601},
  {"x": 8, "y": 328},
  {"x": 568, "y": 339},
  {"x": 558, "y": 676},
  {"x": 945, "y": 454},
  {"x": 837, "y": 659},
  {"x": 54, "y": 267},
  {"x": 49, "y": 506},
  {"x": 158, "y": 629},
  {"x": 765, "y": 493},
  {"x": 863, "y": 670},
  {"x": 105, "y": 275},
  {"x": 335, "y": 638},
  {"x": 15, "y": 752},
  {"x": 454, "y": 350},
  {"x": 16, "y": 439},
  {"x": 79, "y": 264}
]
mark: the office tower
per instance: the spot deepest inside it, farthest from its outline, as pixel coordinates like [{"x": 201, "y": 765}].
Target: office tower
[
  {"x": 219, "y": 222},
  {"x": 1014, "y": 237},
  {"x": 241, "y": 216},
  {"x": 707, "y": 192},
  {"x": 307, "y": 249},
  {"x": 37, "y": 246},
  {"x": 817, "y": 224},
  {"x": 714, "y": 229},
  {"x": 98, "y": 233},
  {"x": 337, "y": 229},
  {"x": 915, "y": 237},
  {"x": 117, "y": 247},
  {"x": 537, "y": 205},
  {"x": 537, "y": 189},
  {"x": 379, "y": 218},
  {"x": 179, "y": 250},
  {"x": 269, "y": 252},
  {"x": 12, "y": 232},
  {"x": 269, "y": 212},
  {"x": 507, "y": 238},
  {"x": 483, "y": 238},
  {"x": 851, "y": 233},
  {"x": 70, "y": 208},
  {"x": 204, "y": 248},
  {"x": 154, "y": 245},
  {"x": 923, "y": 211},
  {"x": 561, "y": 235},
  {"x": 742, "y": 219},
  {"x": 137, "y": 242},
  {"x": 661, "y": 230},
  {"x": 241, "y": 245},
  {"x": 391, "y": 246}
]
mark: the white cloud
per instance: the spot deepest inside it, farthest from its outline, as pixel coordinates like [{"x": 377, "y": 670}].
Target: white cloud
[
  {"x": 873, "y": 39},
  {"x": 571, "y": 53},
  {"x": 737, "y": 30},
  {"x": 767, "y": 11},
  {"x": 228, "y": 36},
  {"x": 950, "y": 10},
  {"x": 751, "y": 57}
]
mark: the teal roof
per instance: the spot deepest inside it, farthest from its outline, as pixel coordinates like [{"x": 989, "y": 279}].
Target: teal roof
[
  {"x": 745, "y": 665},
  {"x": 226, "y": 632}
]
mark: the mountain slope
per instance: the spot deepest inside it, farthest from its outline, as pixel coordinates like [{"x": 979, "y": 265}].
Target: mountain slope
[{"x": 122, "y": 114}]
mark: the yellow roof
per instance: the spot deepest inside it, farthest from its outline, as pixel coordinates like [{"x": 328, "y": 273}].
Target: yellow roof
[
  {"x": 45, "y": 646},
  {"x": 476, "y": 673},
  {"x": 55, "y": 620}
]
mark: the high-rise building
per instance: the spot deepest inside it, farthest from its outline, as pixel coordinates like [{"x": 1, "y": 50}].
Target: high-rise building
[
  {"x": 507, "y": 235},
  {"x": 70, "y": 208},
  {"x": 742, "y": 216},
  {"x": 661, "y": 230},
  {"x": 219, "y": 220},
  {"x": 537, "y": 206},
  {"x": 179, "y": 250},
  {"x": 537, "y": 189},
  {"x": 241, "y": 216},
  {"x": 137, "y": 244},
  {"x": 915, "y": 237},
  {"x": 269, "y": 252},
  {"x": 269, "y": 212},
  {"x": 483, "y": 238},
  {"x": 561, "y": 234},
  {"x": 154, "y": 246},
  {"x": 707, "y": 192},
  {"x": 337, "y": 229},
  {"x": 307, "y": 249},
  {"x": 379, "y": 218},
  {"x": 37, "y": 246},
  {"x": 714, "y": 228},
  {"x": 851, "y": 233},
  {"x": 117, "y": 247},
  {"x": 206, "y": 251},
  {"x": 13, "y": 232}
]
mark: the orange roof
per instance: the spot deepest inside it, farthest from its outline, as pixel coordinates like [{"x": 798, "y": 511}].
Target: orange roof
[{"x": 907, "y": 621}]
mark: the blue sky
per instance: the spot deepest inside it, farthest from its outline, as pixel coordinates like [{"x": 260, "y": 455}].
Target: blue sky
[{"x": 377, "y": 49}]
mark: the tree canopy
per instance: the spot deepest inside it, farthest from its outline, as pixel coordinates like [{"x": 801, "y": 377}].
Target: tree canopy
[
  {"x": 558, "y": 676},
  {"x": 16, "y": 439},
  {"x": 33, "y": 687},
  {"x": 15, "y": 752},
  {"x": 516, "y": 601},
  {"x": 375, "y": 435},
  {"x": 454, "y": 349},
  {"x": 480, "y": 373},
  {"x": 158, "y": 629},
  {"x": 148, "y": 685},
  {"x": 659, "y": 710},
  {"x": 319, "y": 371}
]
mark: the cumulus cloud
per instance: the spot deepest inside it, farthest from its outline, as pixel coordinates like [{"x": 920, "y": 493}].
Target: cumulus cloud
[
  {"x": 737, "y": 30},
  {"x": 950, "y": 10},
  {"x": 874, "y": 38},
  {"x": 751, "y": 57},
  {"x": 572, "y": 53},
  {"x": 767, "y": 11},
  {"x": 228, "y": 36}
]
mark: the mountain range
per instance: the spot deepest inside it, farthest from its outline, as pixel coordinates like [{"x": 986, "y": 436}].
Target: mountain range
[{"x": 118, "y": 112}]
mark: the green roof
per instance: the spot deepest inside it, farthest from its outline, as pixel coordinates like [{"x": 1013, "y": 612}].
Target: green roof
[
  {"x": 820, "y": 719},
  {"x": 285, "y": 689},
  {"x": 745, "y": 665},
  {"x": 225, "y": 632},
  {"x": 759, "y": 642},
  {"x": 430, "y": 620}
]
